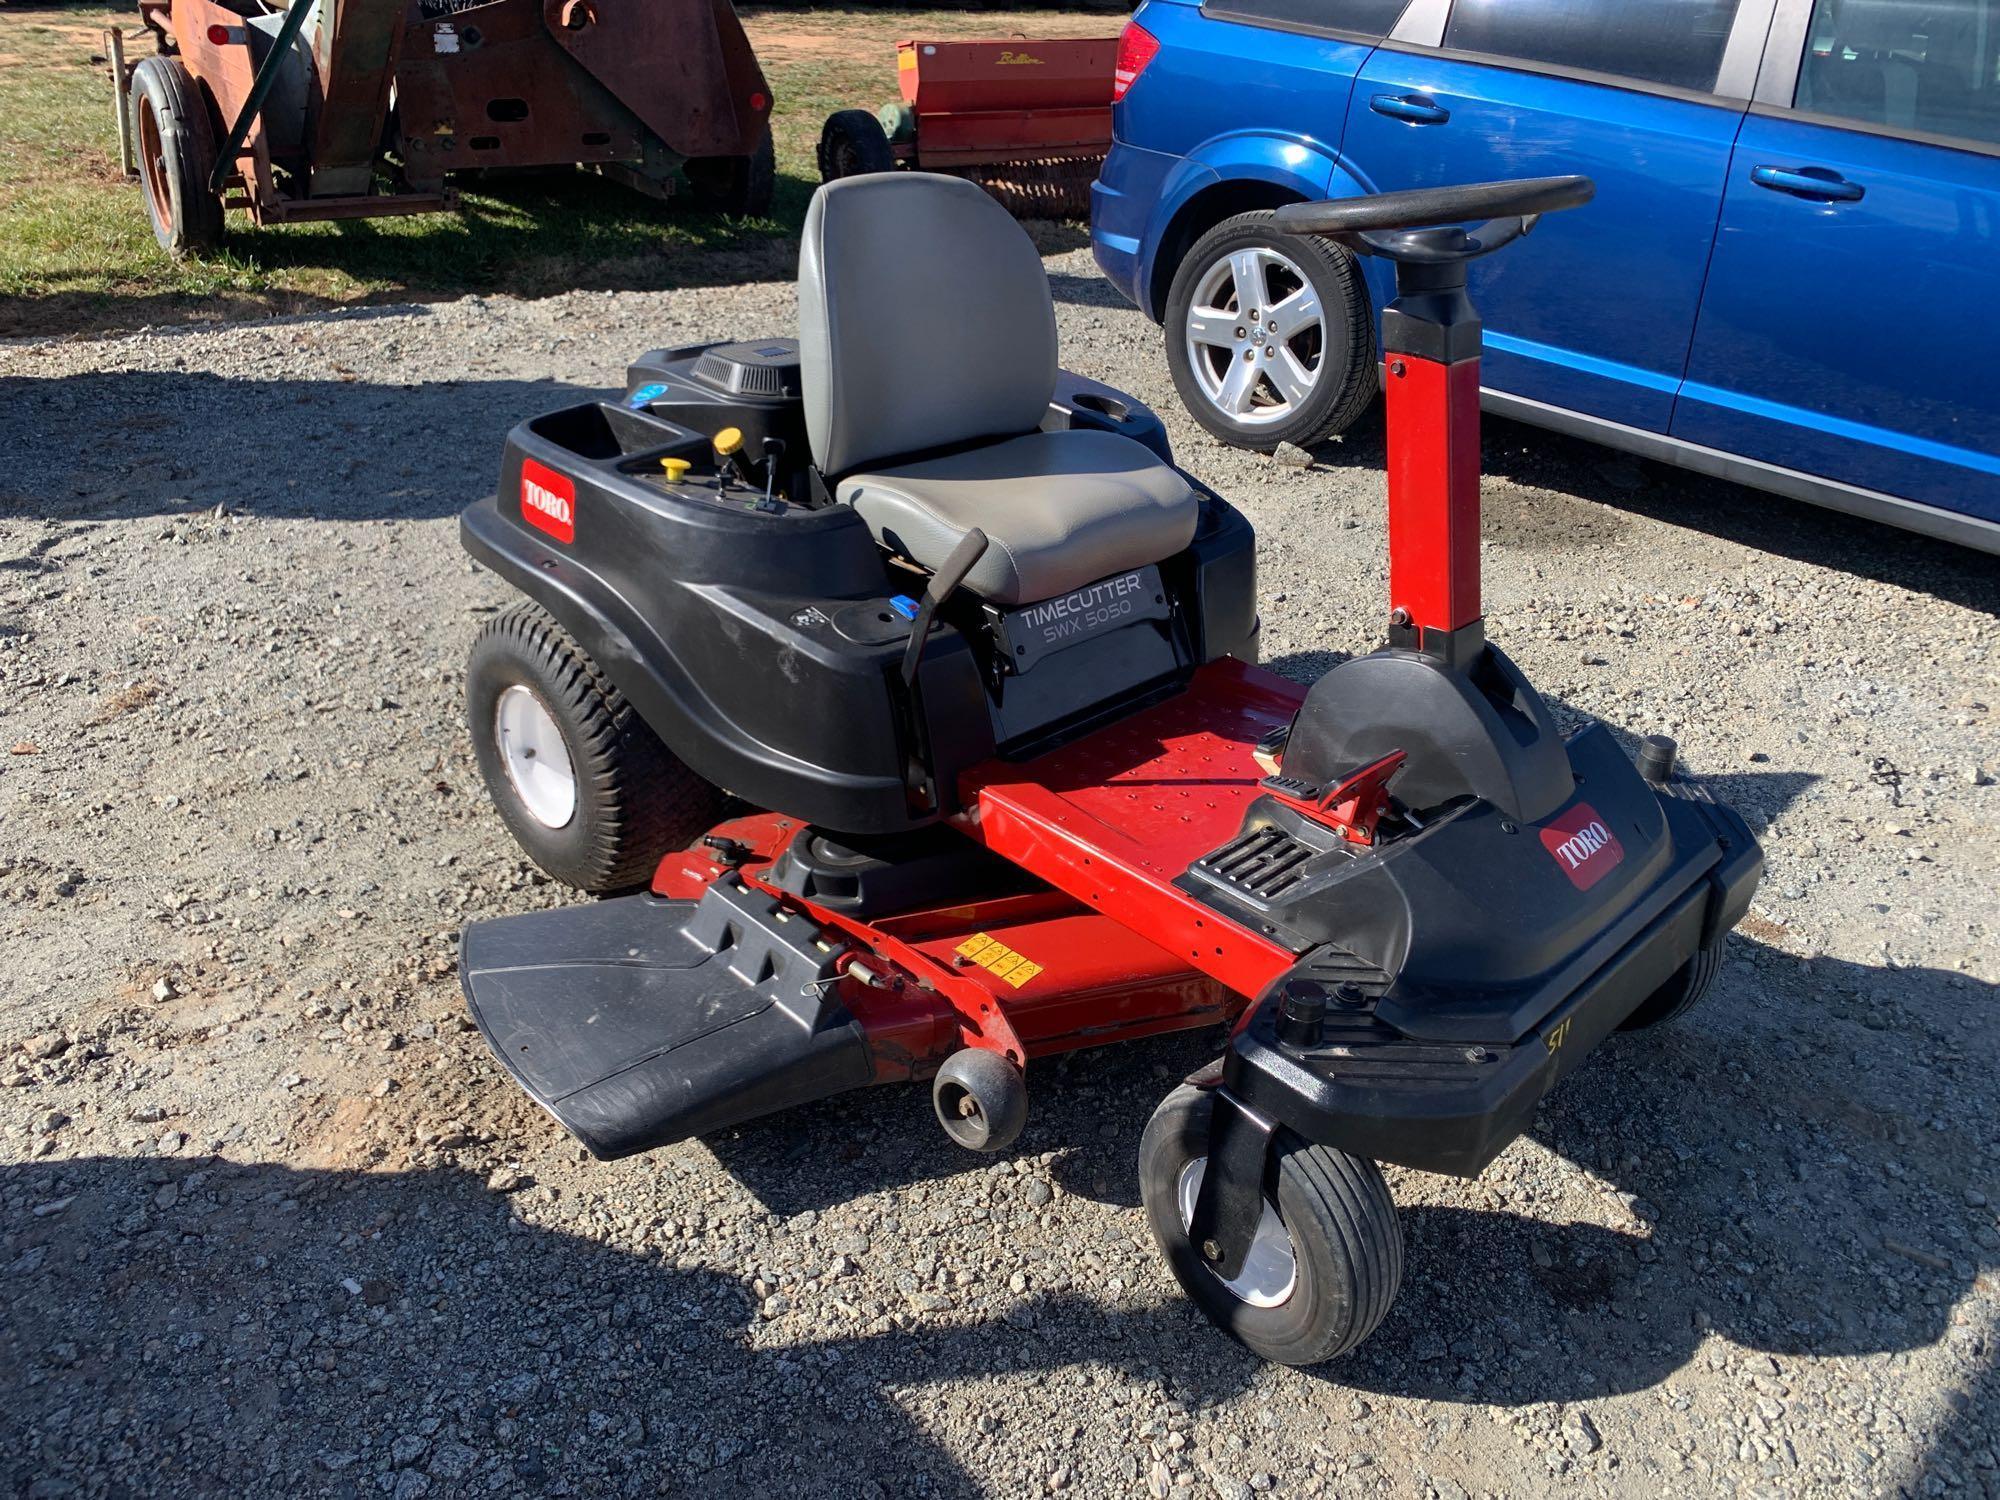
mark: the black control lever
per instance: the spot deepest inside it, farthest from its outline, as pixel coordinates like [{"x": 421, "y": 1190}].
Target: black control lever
[
  {"x": 774, "y": 449},
  {"x": 1426, "y": 226},
  {"x": 944, "y": 583}
]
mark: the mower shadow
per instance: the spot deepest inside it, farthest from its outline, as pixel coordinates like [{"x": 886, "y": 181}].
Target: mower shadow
[
  {"x": 1729, "y": 1130},
  {"x": 1085, "y": 1113},
  {"x": 502, "y": 1356},
  {"x": 1537, "y": 459},
  {"x": 1768, "y": 1151},
  {"x": 304, "y": 1317}
]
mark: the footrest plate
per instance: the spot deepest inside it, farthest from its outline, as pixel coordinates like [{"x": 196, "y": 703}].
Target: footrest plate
[{"x": 640, "y": 1021}]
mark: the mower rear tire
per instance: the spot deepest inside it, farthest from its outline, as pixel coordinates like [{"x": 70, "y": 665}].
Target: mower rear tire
[
  {"x": 1680, "y": 994},
  {"x": 174, "y": 143},
  {"x": 1328, "y": 1256},
  {"x": 581, "y": 781},
  {"x": 981, "y": 1099},
  {"x": 1270, "y": 336},
  {"x": 740, "y": 186},
  {"x": 852, "y": 144}
]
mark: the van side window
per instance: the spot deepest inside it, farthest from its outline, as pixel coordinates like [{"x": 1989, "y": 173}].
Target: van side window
[
  {"x": 1362, "y": 17},
  {"x": 1677, "y": 43},
  {"x": 1933, "y": 67}
]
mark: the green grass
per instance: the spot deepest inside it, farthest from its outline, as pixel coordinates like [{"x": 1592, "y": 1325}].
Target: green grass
[{"x": 77, "y": 254}]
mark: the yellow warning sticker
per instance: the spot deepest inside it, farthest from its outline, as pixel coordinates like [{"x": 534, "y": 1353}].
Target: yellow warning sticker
[{"x": 998, "y": 959}]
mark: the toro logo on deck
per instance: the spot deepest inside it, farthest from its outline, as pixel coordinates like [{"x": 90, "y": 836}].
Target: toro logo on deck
[
  {"x": 548, "y": 501},
  {"x": 1584, "y": 846}
]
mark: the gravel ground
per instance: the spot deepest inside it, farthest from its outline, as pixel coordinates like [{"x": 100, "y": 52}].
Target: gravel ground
[{"x": 270, "y": 1223}]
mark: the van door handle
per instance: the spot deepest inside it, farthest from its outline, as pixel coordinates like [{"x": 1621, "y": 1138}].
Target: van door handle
[
  {"x": 1418, "y": 109},
  {"x": 1808, "y": 182}
]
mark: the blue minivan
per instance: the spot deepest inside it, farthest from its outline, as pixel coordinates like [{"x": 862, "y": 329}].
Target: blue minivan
[{"x": 1790, "y": 276}]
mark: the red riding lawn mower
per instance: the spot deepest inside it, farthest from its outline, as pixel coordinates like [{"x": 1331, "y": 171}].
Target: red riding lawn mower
[
  {"x": 348, "y": 109},
  {"x": 915, "y": 683}
]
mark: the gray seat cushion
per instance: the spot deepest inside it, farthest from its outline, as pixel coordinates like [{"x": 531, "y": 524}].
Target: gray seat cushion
[
  {"x": 1059, "y": 509},
  {"x": 925, "y": 324},
  {"x": 924, "y": 320}
]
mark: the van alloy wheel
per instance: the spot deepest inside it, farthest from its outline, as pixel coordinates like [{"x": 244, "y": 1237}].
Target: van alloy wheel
[
  {"x": 1270, "y": 336},
  {"x": 1256, "y": 336}
]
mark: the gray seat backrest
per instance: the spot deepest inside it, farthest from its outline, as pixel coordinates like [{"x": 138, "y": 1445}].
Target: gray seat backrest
[{"x": 924, "y": 320}]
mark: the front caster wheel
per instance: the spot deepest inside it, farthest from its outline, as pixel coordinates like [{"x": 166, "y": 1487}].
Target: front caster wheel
[
  {"x": 1328, "y": 1254},
  {"x": 1680, "y": 994},
  {"x": 981, "y": 1099}
]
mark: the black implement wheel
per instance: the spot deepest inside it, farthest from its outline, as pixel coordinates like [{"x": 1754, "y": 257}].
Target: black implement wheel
[
  {"x": 1328, "y": 1256},
  {"x": 580, "y": 780},
  {"x": 981, "y": 1099},
  {"x": 736, "y": 185},
  {"x": 175, "y": 146},
  {"x": 851, "y": 144},
  {"x": 1679, "y": 994},
  {"x": 1269, "y": 335}
]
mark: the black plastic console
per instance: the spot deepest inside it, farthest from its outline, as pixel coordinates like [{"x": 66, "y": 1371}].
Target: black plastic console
[
  {"x": 761, "y": 638},
  {"x": 1485, "y": 976}
]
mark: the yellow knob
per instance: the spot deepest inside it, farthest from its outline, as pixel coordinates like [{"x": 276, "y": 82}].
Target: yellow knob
[
  {"x": 677, "y": 469},
  {"x": 728, "y": 441}
]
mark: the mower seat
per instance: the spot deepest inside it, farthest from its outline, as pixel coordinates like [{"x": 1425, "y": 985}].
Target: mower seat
[
  {"x": 927, "y": 344},
  {"x": 1059, "y": 509}
]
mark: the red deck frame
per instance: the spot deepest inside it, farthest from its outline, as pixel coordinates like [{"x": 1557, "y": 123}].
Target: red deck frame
[
  {"x": 1115, "y": 951},
  {"x": 1095, "y": 981},
  {"x": 1114, "y": 818}
]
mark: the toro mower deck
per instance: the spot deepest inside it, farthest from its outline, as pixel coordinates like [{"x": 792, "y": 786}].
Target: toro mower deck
[{"x": 952, "y": 617}]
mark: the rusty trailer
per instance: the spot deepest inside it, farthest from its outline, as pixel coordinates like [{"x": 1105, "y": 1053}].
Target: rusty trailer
[{"x": 342, "y": 109}]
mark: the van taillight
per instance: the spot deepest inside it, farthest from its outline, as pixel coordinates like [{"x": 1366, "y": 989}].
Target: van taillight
[{"x": 1136, "y": 47}]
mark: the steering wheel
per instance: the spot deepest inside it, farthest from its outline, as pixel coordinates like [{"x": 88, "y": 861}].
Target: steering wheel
[{"x": 1425, "y": 226}]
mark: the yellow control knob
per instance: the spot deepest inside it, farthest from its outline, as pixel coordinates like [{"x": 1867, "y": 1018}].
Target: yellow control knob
[
  {"x": 729, "y": 441},
  {"x": 676, "y": 469}
]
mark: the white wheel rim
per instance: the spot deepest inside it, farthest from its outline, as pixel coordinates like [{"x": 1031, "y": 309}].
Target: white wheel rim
[
  {"x": 1270, "y": 1270},
  {"x": 537, "y": 760},
  {"x": 1256, "y": 337}
]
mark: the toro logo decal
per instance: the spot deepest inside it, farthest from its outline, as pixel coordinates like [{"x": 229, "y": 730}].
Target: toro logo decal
[
  {"x": 1583, "y": 845},
  {"x": 548, "y": 501}
]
